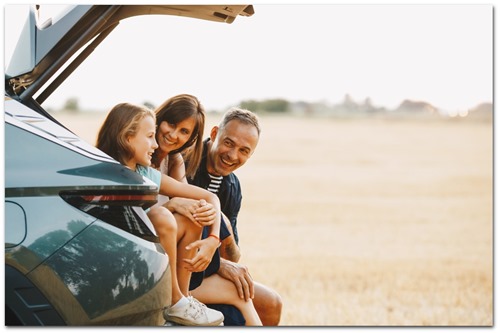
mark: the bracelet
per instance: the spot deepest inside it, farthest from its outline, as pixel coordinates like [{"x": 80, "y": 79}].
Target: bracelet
[{"x": 214, "y": 236}]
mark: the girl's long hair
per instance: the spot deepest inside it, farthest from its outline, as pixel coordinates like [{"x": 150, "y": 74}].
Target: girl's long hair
[{"x": 121, "y": 122}]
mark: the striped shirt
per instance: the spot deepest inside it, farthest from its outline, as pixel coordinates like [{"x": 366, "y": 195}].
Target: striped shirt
[{"x": 215, "y": 182}]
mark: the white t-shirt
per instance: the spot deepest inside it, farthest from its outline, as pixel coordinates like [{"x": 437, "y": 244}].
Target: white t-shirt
[{"x": 163, "y": 199}]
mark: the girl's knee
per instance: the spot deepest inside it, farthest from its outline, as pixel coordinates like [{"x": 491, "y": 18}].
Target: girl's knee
[
  {"x": 163, "y": 220},
  {"x": 186, "y": 226}
]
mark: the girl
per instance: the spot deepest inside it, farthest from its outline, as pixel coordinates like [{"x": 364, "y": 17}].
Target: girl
[{"x": 128, "y": 135}]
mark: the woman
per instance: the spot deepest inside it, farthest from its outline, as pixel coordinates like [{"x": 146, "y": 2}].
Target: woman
[{"x": 180, "y": 123}]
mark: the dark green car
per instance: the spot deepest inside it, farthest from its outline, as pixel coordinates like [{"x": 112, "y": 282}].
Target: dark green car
[{"x": 79, "y": 249}]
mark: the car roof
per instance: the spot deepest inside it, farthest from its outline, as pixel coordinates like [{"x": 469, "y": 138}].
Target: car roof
[{"x": 44, "y": 48}]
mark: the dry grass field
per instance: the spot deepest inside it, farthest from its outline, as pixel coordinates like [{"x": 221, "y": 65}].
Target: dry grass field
[{"x": 368, "y": 222}]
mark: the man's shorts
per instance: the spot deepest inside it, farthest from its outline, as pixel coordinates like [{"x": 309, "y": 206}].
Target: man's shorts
[
  {"x": 213, "y": 267},
  {"x": 232, "y": 316}
]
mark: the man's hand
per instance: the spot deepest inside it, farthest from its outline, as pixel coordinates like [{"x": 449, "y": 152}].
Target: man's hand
[
  {"x": 199, "y": 212},
  {"x": 240, "y": 276},
  {"x": 205, "y": 252}
]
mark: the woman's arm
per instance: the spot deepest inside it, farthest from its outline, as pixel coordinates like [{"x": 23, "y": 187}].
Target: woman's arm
[
  {"x": 176, "y": 167},
  {"x": 204, "y": 212},
  {"x": 173, "y": 188},
  {"x": 206, "y": 247}
]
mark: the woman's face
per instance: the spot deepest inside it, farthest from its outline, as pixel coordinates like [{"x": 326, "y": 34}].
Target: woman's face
[{"x": 173, "y": 136}]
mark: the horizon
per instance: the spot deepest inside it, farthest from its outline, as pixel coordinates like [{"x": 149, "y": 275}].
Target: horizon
[{"x": 451, "y": 113}]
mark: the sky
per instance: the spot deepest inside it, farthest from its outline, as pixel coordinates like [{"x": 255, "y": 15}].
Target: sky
[{"x": 441, "y": 54}]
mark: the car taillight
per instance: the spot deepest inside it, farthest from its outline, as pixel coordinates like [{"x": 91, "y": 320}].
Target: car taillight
[
  {"x": 122, "y": 209},
  {"x": 119, "y": 199}
]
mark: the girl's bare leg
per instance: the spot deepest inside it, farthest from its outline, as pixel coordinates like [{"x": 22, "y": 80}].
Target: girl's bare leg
[
  {"x": 166, "y": 228},
  {"x": 217, "y": 290},
  {"x": 187, "y": 232}
]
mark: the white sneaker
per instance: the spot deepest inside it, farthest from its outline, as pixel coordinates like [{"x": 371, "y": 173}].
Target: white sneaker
[{"x": 194, "y": 313}]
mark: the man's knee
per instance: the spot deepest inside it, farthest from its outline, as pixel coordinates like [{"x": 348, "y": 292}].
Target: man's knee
[
  {"x": 276, "y": 301},
  {"x": 275, "y": 307},
  {"x": 268, "y": 304}
]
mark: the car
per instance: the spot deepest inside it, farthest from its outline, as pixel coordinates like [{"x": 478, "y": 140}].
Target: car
[{"x": 79, "y": 248}]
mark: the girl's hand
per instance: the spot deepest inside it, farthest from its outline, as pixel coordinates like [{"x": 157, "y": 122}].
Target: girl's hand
[{"x": 205, "y": 251}]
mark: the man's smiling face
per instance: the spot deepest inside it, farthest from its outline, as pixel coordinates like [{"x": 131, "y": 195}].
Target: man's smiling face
[{"x": 231, "y": 147}]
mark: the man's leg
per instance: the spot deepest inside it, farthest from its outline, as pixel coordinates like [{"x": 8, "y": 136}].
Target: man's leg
[
  {"x": 218, "y": 290},
  {"x": 268, "y": 304}
]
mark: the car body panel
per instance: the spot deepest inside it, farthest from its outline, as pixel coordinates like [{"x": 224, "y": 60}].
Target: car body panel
[
  {"x": 118, "y": 272},
  {"x": 47, "y": 233},
  {"x": 37, "y": 40},
  {"x": 139, "y": 279},
  {"x": 15, "y": 230},
  {"x": 69, "y": 167}
]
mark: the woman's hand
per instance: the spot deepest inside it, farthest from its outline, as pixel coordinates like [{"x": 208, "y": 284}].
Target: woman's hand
[
  {"x": 205, "y": 251},
  {"x": 199, "y": 212}
]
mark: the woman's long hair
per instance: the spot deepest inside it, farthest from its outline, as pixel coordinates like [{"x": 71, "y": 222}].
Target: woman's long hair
[{"x": 174, "y": 110}]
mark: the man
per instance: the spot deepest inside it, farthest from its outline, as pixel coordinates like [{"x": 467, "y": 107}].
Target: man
[{"x": 230, "y": 145}]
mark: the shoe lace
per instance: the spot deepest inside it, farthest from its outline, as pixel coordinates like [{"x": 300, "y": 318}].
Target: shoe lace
[{"x": 198, "y": 308}]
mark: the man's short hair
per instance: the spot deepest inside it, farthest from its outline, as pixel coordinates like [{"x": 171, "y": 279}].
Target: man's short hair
[{"x": 245, "y": 116}]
